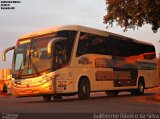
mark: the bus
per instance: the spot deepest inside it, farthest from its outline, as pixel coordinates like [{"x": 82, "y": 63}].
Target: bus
[{"x": 73, "y": 59}]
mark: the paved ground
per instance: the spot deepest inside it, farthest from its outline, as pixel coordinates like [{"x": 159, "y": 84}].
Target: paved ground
[{"x": 98, "y": 102}]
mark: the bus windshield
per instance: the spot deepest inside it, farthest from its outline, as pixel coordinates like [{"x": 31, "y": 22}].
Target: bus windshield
[{"x": 31, "y": 57}]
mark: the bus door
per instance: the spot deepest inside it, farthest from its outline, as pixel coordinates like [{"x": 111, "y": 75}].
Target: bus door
[
  {"x": 115, "y": 73},
  {"x": 125, "y": 73}
]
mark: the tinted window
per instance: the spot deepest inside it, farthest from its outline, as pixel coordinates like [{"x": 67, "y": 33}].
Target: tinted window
[
  {"x": 90, "y": 43},
  {"x": 115, "y": 46}
]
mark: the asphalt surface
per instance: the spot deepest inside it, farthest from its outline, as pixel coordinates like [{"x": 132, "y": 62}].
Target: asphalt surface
[{"x": 98, "y": 103}]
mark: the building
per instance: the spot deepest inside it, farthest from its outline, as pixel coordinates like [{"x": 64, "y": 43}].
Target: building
[{"x": 5, "y": 79}]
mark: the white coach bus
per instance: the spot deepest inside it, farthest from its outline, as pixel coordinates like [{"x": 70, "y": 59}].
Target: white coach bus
[{"x": 73, "y": 59}]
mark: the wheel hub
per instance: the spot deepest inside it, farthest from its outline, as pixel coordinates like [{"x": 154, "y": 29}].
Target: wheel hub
[{"x": 141, "y": 87}]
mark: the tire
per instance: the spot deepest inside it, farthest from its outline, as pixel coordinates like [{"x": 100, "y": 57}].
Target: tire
[
  {"x": 84, "y": 89},
  {"x": 140, "y": 89},
  {"x": 47, "y": 98}
]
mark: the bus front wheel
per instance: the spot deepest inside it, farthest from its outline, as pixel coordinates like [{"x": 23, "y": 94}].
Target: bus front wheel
[{"x": 84, "y": 89}]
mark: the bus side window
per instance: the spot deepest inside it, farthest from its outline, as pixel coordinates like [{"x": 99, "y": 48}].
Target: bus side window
[{"x": 70, "y": 35}]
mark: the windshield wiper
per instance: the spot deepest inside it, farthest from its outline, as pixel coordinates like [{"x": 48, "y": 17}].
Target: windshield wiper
[
  {"x": 20, "y": 68},
  {"x": 34, "y": 67}
]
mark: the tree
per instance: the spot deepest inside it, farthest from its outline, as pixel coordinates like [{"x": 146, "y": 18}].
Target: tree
[{"x": 131, "y": 14}]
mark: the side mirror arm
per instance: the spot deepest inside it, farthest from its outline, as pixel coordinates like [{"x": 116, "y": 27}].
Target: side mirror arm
[{"x": 5, "y": 51}]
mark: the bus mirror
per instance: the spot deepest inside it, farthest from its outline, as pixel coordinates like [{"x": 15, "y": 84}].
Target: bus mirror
[
  {"x": 49, "y": 48},
  {"x": 5, "y": 51},
  {"x": 4, "y": 56},
  {"x": 52, "y": 43}
]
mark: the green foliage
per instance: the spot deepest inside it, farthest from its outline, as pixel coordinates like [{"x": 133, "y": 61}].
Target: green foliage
[{"x": 133, "y": 13}]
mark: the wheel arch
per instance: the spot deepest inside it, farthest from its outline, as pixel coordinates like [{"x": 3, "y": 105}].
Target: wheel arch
[{"x": 82, "y": 77}]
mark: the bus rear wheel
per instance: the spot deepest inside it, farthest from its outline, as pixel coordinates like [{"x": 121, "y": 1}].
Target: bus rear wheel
[
  {"x": 140, "y": 89},
  {"x": 84, "y": 89},
  {"x": 47, "y": 98}
]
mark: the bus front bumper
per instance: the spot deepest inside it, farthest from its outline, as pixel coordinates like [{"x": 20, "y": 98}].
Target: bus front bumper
[{"x": 38, "y": 90}]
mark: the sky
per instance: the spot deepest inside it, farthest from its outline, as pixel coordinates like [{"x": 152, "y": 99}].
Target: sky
[{"x": 32, "y": 15}]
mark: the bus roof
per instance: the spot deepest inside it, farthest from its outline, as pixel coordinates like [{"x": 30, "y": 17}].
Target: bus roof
[{"x": 80, "y": 28}]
